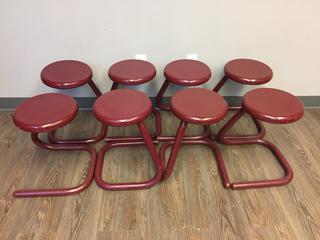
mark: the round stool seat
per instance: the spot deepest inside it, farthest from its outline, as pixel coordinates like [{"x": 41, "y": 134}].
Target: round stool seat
[
  {"x": 132, "y": 72},
  {"x": 198, "y": 106},
  {"x": 45, "y": 112},
  {"x": 248, "y": 71},
  {"x": 273, "y": 105},
  {"x": 122, "y": 107},
  {"x": 66, "y": 74},
  {"x": 187, "y": 72}
]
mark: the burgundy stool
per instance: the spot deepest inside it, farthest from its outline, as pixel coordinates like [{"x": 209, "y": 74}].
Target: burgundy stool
[
  {"x": 268, "y": 105},
  {"x": 133, "y": 72},
  {"x": 45, "y": 113},
  {"x": 183, "y": 72},
  {"x": 68, "y": 74},
  {"x": 120, "y": 108},
  {"x": 249, "y": 72},
  {"x": 196, "y": 106}
]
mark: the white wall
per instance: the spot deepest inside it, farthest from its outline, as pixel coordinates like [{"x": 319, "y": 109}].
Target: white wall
[{"x": 285, "y": 34}]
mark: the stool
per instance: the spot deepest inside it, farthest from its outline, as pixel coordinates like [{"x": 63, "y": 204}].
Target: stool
[
  {"x": 133, "y": 72},
  {"x": 183, "y": 72},
  {"x": 196, "y": 106},
  {"x": 268, "y": 105},
  {"x": 249, "y": 72},
  {"x": 45, "y": 113},
  {"x": 68, "y": 74},
  {"x": 120, "y": 108}
]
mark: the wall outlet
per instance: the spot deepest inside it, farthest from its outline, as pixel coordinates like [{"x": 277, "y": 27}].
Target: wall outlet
[
  {"x": 141, "y": 57},
  {"x": 192, "y": 56}
]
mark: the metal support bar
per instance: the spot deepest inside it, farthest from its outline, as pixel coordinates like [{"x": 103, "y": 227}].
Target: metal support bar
[
  {"x": 258, "y": 124},
  {"x": 160, "y": 95},
  {"x": 130, "y": 185},
  {"x": 90, "y": 140},
  {"x": 95, "y": 89},
  {"x": 61, "y": 191},
  {"x": 288, "y": 173}
]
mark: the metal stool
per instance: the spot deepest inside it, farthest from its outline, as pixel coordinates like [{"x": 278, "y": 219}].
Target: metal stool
[
  {"x": 45, "y": 113},
  {"x": 184, "y": 72},
  {"x": 249, "y": 72},
  {"x": 268, "y": 105},
  {"x": 69, "y": 74},
  {"x": 196, "y": 106},
  {"x": 133, "y": 72},
  {"x": 120, "y": 108}
]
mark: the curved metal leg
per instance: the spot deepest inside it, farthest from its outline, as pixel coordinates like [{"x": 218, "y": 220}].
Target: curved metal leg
[
  {"x": 215, "y": 150},
  {"x": 174, "y": 152},
  {"x": 90, "y": 140},
  {"x": 154, "y": 135},
  {"x": 233, "y": 138},
  {"x": 206, "y": 132},
  {"x": 95, "y": 89},
  {"x": 114, "y": 86},
  {"x": 288, "y": 173},
  {"x": 258, "y": 124},
  {"x": 179, "y": 140},
  {"x": 220, "y": 84},
  {"x": 260, "y": 129},
  {"x": 61, "y": 191},
  {"x": 160, "y": 95},
  {"x": 130, "y": 185}
]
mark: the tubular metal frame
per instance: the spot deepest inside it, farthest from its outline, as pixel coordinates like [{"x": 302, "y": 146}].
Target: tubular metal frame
[
  {"x": 259, "y": 126},
  {"x": 61, "y": 191},
  {"x": 222, "y": 138},
  {"x": 148, "y": 141},
  {"x": 160, "y": 96},
  {"x": 91, "y": 140},
  {"x": 94, "y": 88},
  {"x": 180, "y": 140}
]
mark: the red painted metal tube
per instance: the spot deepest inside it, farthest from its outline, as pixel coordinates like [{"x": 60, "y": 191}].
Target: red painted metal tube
[
  {"x": 288, "y": 173},
  {"x": 160, "y": 95},
  {"x": 61, "y": 191},
  {"x": 95, "y": 89},
  {"x": 174, "y": 152},
  {"x": 260, "y": 129},
  {"x": 258, "y": 124},
  {"x": 130, "y": 185},
  {"x": 207, "y": 142},
  {"x": 114, "y": 86},
  {"x": 154, "y": 135},
  {"x": 203, "y": 135},
  {"x": 220, "y": 84},
  {"x": 90, "y": 140}
]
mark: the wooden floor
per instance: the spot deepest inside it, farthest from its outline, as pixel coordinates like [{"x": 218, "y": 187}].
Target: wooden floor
[{"x": 192, "y": 204}]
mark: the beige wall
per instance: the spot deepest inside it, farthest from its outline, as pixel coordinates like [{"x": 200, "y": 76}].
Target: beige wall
[{"x": 285, "y": 34}]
